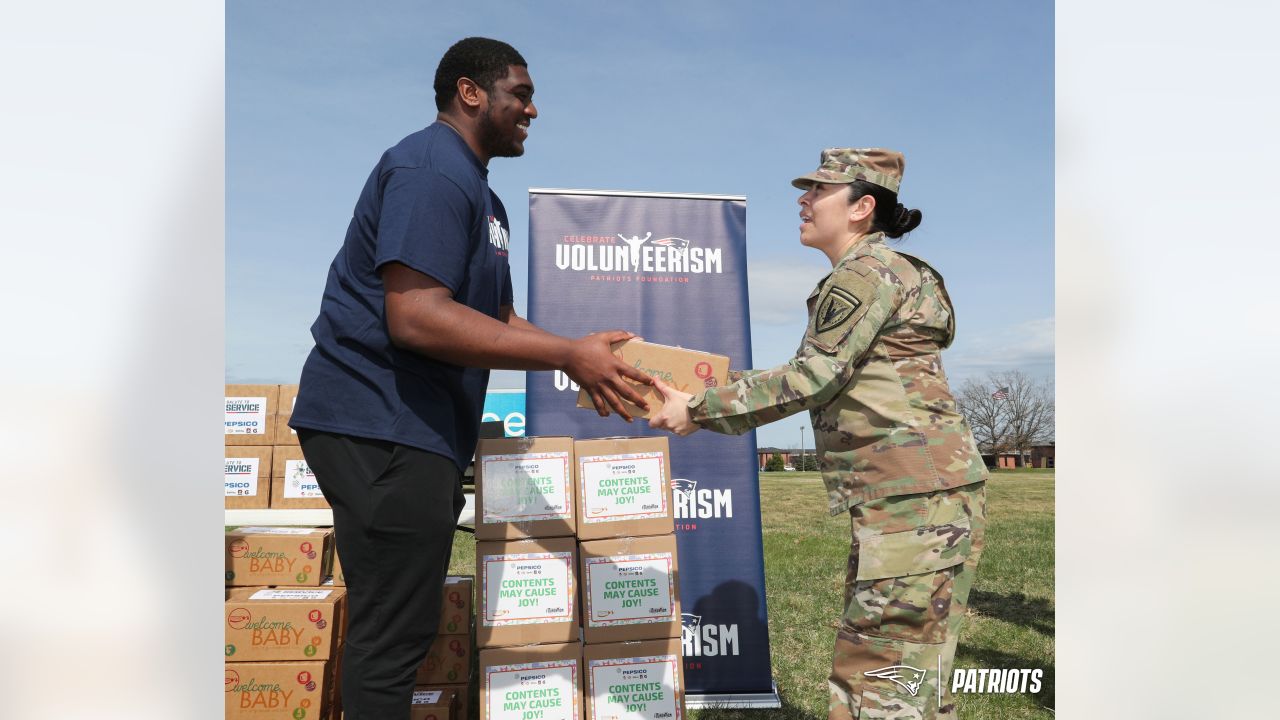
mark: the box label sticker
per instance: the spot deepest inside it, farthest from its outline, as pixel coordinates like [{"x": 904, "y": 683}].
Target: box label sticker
[
  {"x": 527, "y": 589},
  {"x": 533, "y": 691},
  {"x": 642, "y": 688},
  {"x": 269, "y": 692},
  {"x": 426, "y": 697},
  {"x": 245, "y": 416},
  {"x": 624, "y": 487},
  {"x": 532, "y": 486},
  {"x": 299, "y": 481},
  {"x": 291, "y": 594},
  {"x": 259, "y": 530},
  {"x": 630, "y": 589},
  {"x": 240, "y": 476}
]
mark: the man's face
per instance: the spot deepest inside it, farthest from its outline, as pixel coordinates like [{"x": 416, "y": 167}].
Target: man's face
[{"x": 504, "y": 124}]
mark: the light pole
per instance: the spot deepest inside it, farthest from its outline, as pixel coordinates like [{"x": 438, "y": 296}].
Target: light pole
[{"x": 801, "y": 465}]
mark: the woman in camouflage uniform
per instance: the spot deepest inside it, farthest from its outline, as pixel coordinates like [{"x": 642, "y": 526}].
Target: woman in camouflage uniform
[{"x": 893, "y": 449}]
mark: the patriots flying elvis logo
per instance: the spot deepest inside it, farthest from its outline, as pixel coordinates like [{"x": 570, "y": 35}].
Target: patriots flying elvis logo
[
  {"x": 689, "y": 625},
  {"x": 904, "y": 676},
  {"x": 635, "y": 241},
  {"x": 684, "y": 487}
]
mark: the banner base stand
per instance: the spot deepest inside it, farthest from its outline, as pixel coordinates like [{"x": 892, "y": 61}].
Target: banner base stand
[{"x": 765, "y": 700}]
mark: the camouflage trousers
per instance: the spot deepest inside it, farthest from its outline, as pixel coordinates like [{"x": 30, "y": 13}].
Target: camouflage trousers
[{"x": 911, "y": 566}]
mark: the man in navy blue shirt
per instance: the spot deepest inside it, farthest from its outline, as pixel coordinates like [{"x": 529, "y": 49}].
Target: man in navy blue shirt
[{"x": 417, "y": 308}]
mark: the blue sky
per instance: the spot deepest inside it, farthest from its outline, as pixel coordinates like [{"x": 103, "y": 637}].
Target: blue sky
[{"x": 703, "y": 97}]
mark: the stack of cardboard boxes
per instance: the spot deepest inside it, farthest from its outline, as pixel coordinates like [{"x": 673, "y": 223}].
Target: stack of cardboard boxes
[
  {"x": 264, "y": 464},
  {"x": 285, "y": 597},
  {"x": 276, "y": 627},
  {"x": 526, "y": 584},
  {"x": 630, "y": 579},
  {"x": 578, "y": 599},
  {"x": 443, "y": 683},
  {"x": 284, "y": 632}
]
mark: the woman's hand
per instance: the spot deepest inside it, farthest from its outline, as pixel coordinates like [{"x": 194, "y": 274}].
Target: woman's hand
[{"x": 674, "y": 415}]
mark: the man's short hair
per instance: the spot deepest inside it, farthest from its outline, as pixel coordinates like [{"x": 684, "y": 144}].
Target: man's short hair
[{"x": 483, "y": 60}]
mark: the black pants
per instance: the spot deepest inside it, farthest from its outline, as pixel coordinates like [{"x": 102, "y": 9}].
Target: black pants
[{"x": 395, "y": 510}]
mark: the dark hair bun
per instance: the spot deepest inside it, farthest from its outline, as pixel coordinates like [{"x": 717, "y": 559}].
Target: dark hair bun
[{"x": 904, "y": 221}]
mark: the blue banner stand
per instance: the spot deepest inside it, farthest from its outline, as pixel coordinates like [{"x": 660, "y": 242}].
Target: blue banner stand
[{"x": 671, "y": 268}]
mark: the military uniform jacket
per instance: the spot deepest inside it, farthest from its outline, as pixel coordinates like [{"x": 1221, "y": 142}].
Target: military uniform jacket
[{"x": 869, "y": 371}]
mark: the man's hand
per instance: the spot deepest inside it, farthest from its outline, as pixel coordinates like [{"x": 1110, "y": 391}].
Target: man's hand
[
  {"x": 423, "y": 317},
  {"x": 592, "y": 364},
  {"x": 674, "y": 415}
]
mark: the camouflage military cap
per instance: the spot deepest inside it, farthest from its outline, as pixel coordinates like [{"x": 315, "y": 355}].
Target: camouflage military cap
[{"x": 844, "y": 165}]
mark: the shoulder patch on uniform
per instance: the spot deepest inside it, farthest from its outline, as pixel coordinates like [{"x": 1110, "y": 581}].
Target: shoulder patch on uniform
[
  {"x": 841, "y": 305},
  {"x": 835, "y": 308}
]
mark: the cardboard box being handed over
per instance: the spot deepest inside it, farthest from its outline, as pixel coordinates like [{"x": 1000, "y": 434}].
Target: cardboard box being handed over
[{"x": 689, "y": 371}]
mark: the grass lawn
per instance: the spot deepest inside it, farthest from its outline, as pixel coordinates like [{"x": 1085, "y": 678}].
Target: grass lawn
[{"x": 1012, "y": 608}]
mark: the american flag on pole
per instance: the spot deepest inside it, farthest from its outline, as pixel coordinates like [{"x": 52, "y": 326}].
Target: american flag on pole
[{"x": 1001, "y": 394}]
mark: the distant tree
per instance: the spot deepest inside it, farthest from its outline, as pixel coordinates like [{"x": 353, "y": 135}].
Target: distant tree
[
  {"x": 1008, "y": 411},
  {"x": 807, "y": 461},
  {"x": 774, "y": 463}
]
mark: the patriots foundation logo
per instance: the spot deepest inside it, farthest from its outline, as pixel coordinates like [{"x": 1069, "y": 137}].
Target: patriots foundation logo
[
  {"x": 699, "y": 639},
  {"x": 904, "y": 676},
  {"x": 684, "y": 490},
  {"x": 635, "y": 241},
  {"x": 690, "y": 624},
  {"x": 498, "y": 235},
  {"x": 637, "y": 254},
  {"x": 700, "y": 504}
]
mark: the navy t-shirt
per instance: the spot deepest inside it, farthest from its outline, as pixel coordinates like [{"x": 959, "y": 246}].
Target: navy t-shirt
[{"x": 426, "y": 205}]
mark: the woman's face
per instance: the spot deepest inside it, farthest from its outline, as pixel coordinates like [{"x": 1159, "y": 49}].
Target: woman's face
[{"x": 824, "y": 215}]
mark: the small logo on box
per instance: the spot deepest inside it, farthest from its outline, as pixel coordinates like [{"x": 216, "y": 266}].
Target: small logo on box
[
  {"x": 702, "y": 370},
  {"x": 238, "y": 548},
  {"x": 238, "y": 618}
]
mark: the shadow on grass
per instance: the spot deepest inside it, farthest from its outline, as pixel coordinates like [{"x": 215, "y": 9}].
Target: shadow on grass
[
  {"x": 1034, "y": 613},
  {"x": 985, "y": 658},
  {"x": 788, "y": 711}
]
